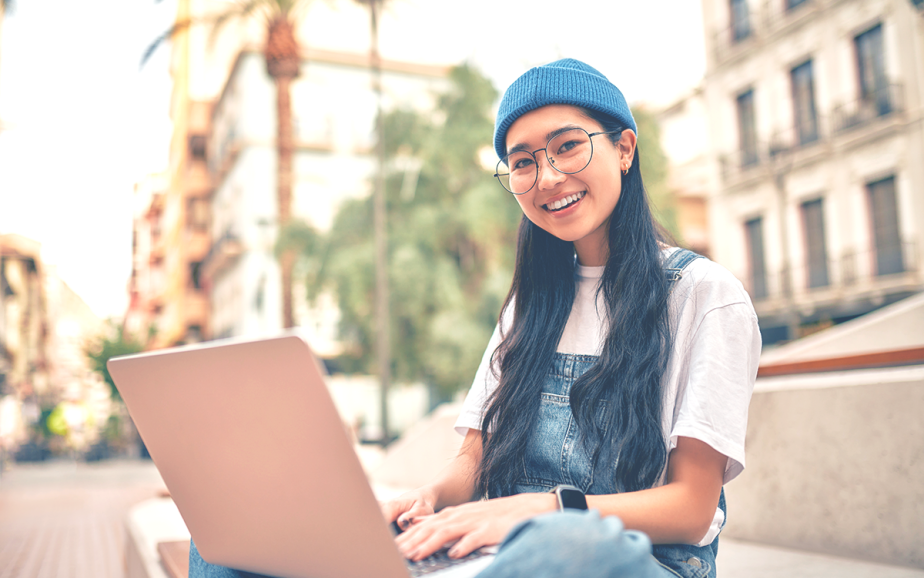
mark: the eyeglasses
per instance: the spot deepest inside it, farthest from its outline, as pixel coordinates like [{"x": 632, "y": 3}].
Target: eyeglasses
[{"x": 568, "y": 152}]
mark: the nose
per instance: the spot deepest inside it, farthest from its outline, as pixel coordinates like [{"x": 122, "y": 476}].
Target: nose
[{"x": 548, "y": 177}]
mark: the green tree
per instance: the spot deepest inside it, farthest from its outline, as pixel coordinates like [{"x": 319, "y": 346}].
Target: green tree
[
  {"x": 451, "y": 232},
  {"x": 106, "y": 347},
  {"x": 654, "y": 171}
]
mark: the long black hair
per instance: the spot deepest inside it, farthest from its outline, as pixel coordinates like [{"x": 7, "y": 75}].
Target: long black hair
[{"x": 627, "y": 375}]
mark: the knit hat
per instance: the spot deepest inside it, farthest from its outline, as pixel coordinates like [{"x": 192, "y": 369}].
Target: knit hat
[{"x": 567, "y": 81}]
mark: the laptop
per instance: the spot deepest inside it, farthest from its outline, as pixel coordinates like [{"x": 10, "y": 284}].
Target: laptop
[{"x": 258, "y": 461}]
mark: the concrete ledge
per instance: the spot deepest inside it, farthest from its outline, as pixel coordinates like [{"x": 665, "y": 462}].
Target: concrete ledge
[
  {"x": 147, "y": 524},
  {"x": 834, "y": 465}
]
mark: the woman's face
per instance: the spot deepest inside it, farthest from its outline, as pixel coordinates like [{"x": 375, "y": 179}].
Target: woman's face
[{"x": 586, "y": 199}]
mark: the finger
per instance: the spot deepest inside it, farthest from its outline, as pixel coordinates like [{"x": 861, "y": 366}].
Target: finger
[
  {"x": 467, "y": 544},
  {"x": 418, "y": 511},
  {"x": 444, "y": 536},
  {"x": 410, "y": 540},
  {"x": 392, "y": 509}
]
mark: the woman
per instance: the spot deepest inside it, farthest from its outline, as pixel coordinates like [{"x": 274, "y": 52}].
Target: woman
[
  {"x": 604, "y": 374},
  {"x": 621, "y": 368}
]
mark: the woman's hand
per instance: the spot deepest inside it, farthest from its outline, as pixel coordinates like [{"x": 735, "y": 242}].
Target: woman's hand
[
  {"x": 408, "y": 506},
  {"x": 470, "y": 526}
]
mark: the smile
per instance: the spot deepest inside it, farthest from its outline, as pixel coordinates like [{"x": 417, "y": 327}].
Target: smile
[{"x": 565, "y": 202}]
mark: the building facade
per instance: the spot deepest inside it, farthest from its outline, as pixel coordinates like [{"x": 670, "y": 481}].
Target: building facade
[
  {"x": 45, "y": 329},
  {"x": 815, "y": 126}
]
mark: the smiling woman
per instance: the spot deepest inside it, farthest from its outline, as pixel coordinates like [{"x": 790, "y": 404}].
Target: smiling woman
[{"x": 618, "y": 376}]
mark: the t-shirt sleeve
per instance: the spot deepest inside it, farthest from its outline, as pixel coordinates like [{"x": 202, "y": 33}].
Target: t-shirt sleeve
[
  {"x": 723, "y": 355},
  {"x": 484, "y": 384}
]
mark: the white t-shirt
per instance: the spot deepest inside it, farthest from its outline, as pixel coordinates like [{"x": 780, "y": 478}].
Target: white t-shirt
[{"x": 710, "y": 373}]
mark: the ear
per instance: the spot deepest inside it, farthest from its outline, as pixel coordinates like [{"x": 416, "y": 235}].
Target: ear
[{"x": 626, "y": 145}]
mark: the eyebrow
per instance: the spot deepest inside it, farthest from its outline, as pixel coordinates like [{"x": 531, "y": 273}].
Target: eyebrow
[{"x": 523, "y": 147}]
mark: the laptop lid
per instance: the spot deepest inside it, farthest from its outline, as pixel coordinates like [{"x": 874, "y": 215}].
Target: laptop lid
[{"x": 256, "y": 458}]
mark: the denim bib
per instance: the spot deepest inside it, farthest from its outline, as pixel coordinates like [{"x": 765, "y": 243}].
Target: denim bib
[{"x": 555, "y": 454}]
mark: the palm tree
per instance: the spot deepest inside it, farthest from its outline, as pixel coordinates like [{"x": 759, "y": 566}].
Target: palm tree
[
  {"x": 282, "y": 54},
  {"x": 6, "y": 7}
]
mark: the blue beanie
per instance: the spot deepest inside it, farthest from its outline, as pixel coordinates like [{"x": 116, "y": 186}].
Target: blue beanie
[{"x": 567, "y": 81}]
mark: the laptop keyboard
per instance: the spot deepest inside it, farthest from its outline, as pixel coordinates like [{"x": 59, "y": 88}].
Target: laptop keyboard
[{"x": 440, "y": 560}]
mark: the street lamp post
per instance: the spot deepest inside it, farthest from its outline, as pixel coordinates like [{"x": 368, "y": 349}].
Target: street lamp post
[{"x": 382, "y": 342}]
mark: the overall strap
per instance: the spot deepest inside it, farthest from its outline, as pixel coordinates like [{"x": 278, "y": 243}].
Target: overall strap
[{"x": 676, "y": 263}]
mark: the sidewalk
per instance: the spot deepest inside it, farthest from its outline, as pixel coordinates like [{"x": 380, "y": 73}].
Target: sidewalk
[
  {"x": 62, "y": 518},
  {"x": 747, "y": 560}
]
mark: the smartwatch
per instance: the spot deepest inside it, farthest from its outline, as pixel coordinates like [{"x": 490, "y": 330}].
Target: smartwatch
[{"x": 569, "y": 497}]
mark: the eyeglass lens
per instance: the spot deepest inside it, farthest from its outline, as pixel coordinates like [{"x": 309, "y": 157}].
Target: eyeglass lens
[{"x": 568, "y": 152}]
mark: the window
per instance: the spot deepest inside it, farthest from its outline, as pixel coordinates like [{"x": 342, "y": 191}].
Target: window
[
  {"x": 813, "y": 227},
  {"x": 740, "y": 23},
  {"x": 197, "y": 146},
  {"x": 754, "y": 230},
  {"x": 874, "y": 88},
  {"x": 747, "y": 129},
  {"x": 887, "y": 244},
  {"x": 195, "y": 275},
  {"x": 803, "y": 102}
]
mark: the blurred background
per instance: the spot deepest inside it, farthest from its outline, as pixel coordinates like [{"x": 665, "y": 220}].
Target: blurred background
[{"x": 190, "y": 170}]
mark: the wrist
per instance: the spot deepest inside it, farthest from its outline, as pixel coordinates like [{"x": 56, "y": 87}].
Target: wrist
[
  {"x": 431, "y": 495},
  {"x": 568, "y": 497}
]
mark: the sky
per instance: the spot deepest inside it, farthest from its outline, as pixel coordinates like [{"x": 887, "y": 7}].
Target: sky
[{"x": 81, "y": 121}]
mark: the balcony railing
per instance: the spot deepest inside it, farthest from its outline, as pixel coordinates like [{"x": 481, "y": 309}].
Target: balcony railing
[
  {"x": 876, "y": 105},
  {"x": 739, "y": 163},
  {"x": 855, "y": 271},
  {"x": 759, "y": 23},
  {"x": 222, "y": 255}
]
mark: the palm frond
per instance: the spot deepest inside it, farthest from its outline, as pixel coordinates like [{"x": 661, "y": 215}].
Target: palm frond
[
  {"x": 241, "y": 9},
  {"x": 178, "y": 27}
]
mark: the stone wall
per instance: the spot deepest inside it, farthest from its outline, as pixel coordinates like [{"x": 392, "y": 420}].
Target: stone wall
[{"x": 835, "y": 464}]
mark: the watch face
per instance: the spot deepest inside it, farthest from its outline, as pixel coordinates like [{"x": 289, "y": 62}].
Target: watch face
[{"x": 572, "y": 499}]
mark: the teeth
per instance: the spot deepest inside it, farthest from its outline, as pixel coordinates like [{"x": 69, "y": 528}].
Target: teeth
[{"x": 565, "y": 201}]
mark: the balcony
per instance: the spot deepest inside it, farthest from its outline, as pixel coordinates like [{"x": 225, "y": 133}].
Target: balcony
[
  {"x": 785, "y": 148},
  {"x": 877, "y": 105},
  {"x": 856, "y": 282},
  {"x": 157, "y": 249},
  {"x": 196, "y": 308},
  {"x": 197, "y": 244},
  {"x": 735, "y": 38},
  {"x": 225, "y": 252},
  {"x": 761, "y": 25}
]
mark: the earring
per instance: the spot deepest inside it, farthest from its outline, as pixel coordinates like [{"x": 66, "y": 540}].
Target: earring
[{"x": 625, "y": 171}]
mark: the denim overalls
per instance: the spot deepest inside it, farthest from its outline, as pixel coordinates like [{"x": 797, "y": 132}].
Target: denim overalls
[{"x": 556, "y": 456}]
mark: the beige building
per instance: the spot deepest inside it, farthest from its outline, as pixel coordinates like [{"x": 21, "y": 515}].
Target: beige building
[
  {"x": 147, "y": 285},
  {"x": 691, "y": 171},
  {"x": 24, "y": 325},
  {"x": 815, "y": 130},
  {"x": 45, "y": 329}
]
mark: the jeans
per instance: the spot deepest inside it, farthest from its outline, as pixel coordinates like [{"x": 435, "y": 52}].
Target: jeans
[
  {"x": 555, "y": 455},
  {"x": 569, "y": 544}
]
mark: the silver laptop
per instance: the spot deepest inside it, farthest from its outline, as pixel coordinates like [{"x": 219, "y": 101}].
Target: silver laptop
[{"x": 258, "y": 462}]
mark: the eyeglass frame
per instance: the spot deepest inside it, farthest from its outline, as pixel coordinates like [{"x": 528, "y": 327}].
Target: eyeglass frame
[{"x": 590, "y": 135}]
